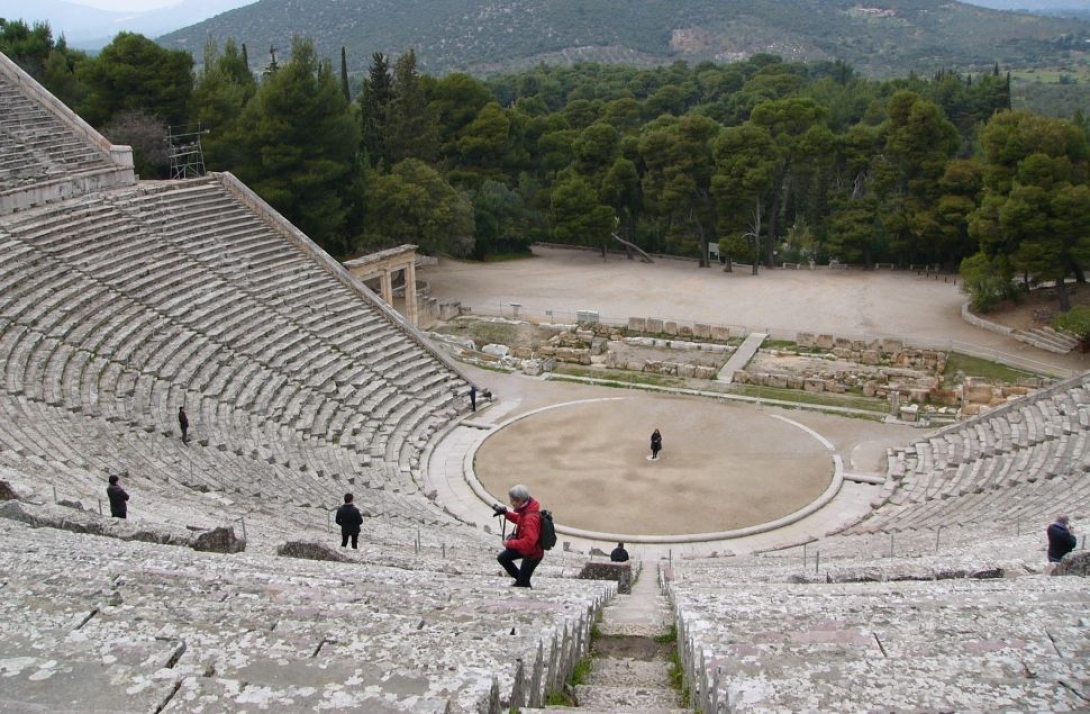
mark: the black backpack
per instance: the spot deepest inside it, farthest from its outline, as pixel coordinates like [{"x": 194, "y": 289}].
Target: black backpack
[{"x": 546, "y": 536}]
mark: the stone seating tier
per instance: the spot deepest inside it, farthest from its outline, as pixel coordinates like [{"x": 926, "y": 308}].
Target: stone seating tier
[
  {"x": 950, "y": 475},
  {"x": 332, "y": 365},
  {"x": 983, "y": 645},
  {"x": 292, "y": 632},
  {"x": 37, "y": 144}
]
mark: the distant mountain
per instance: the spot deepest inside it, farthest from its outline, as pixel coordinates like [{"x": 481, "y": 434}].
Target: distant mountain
[
  {"x": 88, "y": 28},
  {"x": 878, "y": 37},
  {"x": 1058, "y": 8}
]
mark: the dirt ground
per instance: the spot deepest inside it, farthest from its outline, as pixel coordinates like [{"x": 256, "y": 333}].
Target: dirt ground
[
  {"x": 723, "y": 465},
  {"x": 1035, "y": 309}
]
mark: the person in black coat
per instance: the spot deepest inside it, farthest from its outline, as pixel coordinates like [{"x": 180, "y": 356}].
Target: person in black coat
[
  {"x": 656, "y": 444},
  {"x": 619, "y": 554},
  {"x": 349, "y": 519},
  {"x": 183, "y": 424},
  {"x": 1061, "y": 540},
  {"x": 118, "y": 506}
]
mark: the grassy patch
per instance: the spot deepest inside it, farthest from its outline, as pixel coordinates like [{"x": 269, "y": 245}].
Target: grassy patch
[
  {"x": 677, "y": 679},
  {"x": 482, "y": 332},
  {"x": 824, "y": 399},
  {"x": 986, "y": 369},
  {"x": 668, "y": 637},
  {"x": 620, "y": 378}
]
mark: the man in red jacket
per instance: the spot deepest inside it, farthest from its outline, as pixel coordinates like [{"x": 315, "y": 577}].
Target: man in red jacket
[{"x": 522, "y": 544}]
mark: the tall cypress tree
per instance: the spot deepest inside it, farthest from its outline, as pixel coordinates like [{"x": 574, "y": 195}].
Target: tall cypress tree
[
  {"x": 374, "y": 99},
  {"x": 411, "y": 129},
  {"x": 344, "y": 75}
]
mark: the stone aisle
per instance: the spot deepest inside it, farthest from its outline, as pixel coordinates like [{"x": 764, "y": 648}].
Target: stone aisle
[{"x": 629, "y": 669}]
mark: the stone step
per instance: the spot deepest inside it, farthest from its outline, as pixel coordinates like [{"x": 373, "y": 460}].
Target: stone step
[
  {"x": 614, "y": 672},
  {"x": 626, "y": 699},
  {"x": 583, "y": 710},
  {"x": 625, "y": 710}
]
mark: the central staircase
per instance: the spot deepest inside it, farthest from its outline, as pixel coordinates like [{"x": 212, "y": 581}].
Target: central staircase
[{"x": 630, "y": 665}]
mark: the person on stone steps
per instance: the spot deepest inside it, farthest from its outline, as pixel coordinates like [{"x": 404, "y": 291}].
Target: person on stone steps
[
  {"x": 1061, "y": 540},
  {"x": 118, "y": 498},
  {"x": 349, "y": 519},
  {"x": 522, "y": 544}
]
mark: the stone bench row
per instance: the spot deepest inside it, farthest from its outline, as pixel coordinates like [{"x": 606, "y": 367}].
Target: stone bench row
[
  {"x": 43, "y": 137},
  {"x": 948, "y": 552},
  {"x": 81, "y": 451},
  {"x": 150, "y": 346},
  {"x": 1036, "y": 501},
  {"x": 426, "y": 639},
  {"x": 947, "y": 645},
  {"x": 390, "y": 362}
]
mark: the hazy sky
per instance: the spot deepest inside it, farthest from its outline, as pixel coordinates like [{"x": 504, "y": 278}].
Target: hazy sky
[{"x": 125, "y": 5}]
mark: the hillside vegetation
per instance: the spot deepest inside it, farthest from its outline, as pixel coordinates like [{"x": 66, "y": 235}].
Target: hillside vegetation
[{"x": 880, "y": 38}]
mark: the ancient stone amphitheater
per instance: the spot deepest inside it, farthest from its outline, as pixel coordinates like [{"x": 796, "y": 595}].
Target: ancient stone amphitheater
[{"x": 123, "y": 300}]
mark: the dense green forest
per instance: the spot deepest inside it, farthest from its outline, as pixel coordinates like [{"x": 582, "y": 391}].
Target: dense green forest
[{"x": 771, "y": 161}]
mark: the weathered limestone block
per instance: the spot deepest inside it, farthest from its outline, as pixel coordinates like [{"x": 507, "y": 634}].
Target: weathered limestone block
[
  {"x": 686, "y": 370},
  {"x": 685, "y": 331},
  {"x": 777, "y": 380},
  {"x": 843, "y": 343},
  {"x": 831, "y": 385},
  {"x": 584, "y": 335},
  {"x": 219, "y": 540},
  {"x": 669, "y": 327},
  {"x": 795, "y": 381},
  {"x": 450, "y": 309},
  {"x": 977, "y": 393},
  {"x": 654, "y": 325},
  {"x": 870, "y": 357},
  {"x": 684, "y": 346},
  {"x": 921, "y": 396},
  {"x": 7, "y": 493},
  {"x": 500, "y": 351},
  {"x": 1074, "y": 564},
  {"x": 701, "y": 330},
  {"x": 653, "y": 366},
  {"x": 636, "y": 366},
  {"x": 531, "y": 368},
  {"x": 612, "y": 359},
  {"x": 311, "y": 551},
  {"x": 720, "y": 333},
  {"x": 742, "y": 377},
  {"x": 806, "y": 339},
  {"x": 842, "y": 352},
  {"x": 892, "y": 347},
  {"x": 824, "y": 342},
  {"x": 705, "y": 372},
  {"x": 637, "y": 324},
  {"x": 620, "y": 572},
  {"x": 574, "y": 355},
  {"x": 870, "y": 388},
  {"x": 522, "y": 352},
  {"x": 814, "y": 385},
  {"x": 1016, "y": 391},
  {"x": 669, "y": 368}
]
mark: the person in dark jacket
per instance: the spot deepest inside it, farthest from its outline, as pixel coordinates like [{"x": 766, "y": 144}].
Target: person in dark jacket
[
  {"x": 619, "y": 554},
  {"x": 656, "y": 444},
  {"x": 473, "y": 396},
  {"x": 183, "y": 424},
  {"x": 1061, "y": 540},
  {"x": 522, "y": 544},
  {"x": 349, "y": 519},
  {"x": 118, "y": 506}
]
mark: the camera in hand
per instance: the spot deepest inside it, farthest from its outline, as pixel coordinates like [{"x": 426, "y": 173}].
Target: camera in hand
[{"x": 499, "y": 510}]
